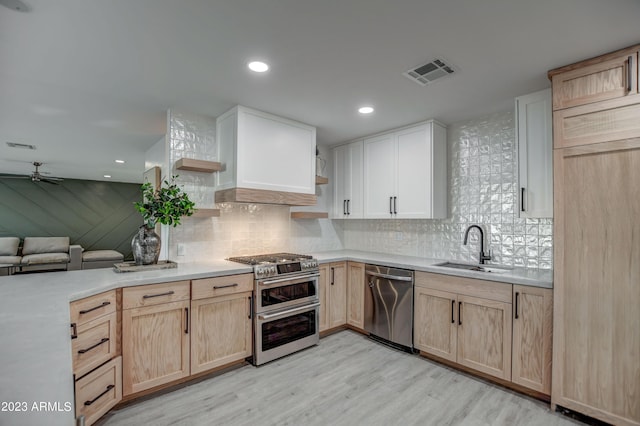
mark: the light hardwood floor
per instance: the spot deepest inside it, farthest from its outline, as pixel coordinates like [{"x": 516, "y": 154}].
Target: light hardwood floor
[{"x": 346, "y": 380}]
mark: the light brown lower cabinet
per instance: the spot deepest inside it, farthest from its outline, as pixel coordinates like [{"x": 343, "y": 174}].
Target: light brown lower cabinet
[
  {"x": 333, "y": 295},
  {"x": 532, "y": 337},
  {"x": 220, "y": 325},
  {"x": 155, "y": 336},
  {"x": 99, "y": 391},
  {"x": 97, "y": 366},
  {"x": 355, "y": 294},
  {"x": 464, "y": 320}
]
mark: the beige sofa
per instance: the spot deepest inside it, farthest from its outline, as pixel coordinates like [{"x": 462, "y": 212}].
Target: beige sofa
[
  {"x": 50, "y": 253},
  {"x": 9, "y": 258}
]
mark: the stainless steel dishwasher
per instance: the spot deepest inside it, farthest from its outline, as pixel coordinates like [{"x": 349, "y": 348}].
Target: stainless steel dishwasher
[{"x": 388, "y": 305}]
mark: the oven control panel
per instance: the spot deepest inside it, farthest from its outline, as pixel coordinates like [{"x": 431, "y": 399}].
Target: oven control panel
[{"x": 272, "y": 270}]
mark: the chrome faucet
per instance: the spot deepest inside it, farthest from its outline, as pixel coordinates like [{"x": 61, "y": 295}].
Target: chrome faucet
[{"x": 482, "y": 256}]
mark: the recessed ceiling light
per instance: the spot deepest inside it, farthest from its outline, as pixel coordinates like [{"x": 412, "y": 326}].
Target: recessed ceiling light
[
  {"x": 107, "y": 176},
  {"x": 258, "y": 66},
  {"x": 120, "y": 161},
  {"x": 365, "y": 110}
]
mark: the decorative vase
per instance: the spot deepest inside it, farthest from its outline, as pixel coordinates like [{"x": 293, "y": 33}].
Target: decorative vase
[{"x": 146, "y": 246}]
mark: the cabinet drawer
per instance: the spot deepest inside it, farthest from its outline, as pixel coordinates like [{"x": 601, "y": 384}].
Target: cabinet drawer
[
  {"x": 491, "y": 290},
  {"x": 99, "y": 391},
  {"x": 90, "y": 308},
  {"x": 95, "y": 343},
  {"x": 155, "y": 294},
  {"x": 211, "y": 287},
  {"x": 612, "y": 120},
  {"x": 607, "y": 79}
]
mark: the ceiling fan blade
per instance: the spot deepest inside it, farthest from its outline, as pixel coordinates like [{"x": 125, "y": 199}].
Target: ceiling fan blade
[
  {"x": 15, "y": 177},
  {"x": 50, "y": 181}
]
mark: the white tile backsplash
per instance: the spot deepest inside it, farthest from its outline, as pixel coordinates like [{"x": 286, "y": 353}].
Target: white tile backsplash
[{"x": 482, "y": 190}]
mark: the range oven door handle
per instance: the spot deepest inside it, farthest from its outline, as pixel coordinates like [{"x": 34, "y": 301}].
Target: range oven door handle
[
  {"x": 292, "y": 279},
  {"x": 287, "y": 312},
  {"x": 391, "y": 277}
]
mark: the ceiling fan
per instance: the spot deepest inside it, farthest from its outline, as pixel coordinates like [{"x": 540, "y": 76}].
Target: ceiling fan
[{"x": 35, "y": 176}]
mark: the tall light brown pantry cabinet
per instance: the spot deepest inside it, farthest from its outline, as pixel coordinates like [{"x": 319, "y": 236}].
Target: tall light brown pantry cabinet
[{"x": 596, "y": 347}]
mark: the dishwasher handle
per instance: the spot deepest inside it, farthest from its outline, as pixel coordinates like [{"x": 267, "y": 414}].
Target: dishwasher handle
[{"x": 390, "y": 277}]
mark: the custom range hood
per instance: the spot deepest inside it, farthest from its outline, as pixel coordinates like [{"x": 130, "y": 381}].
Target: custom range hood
[{"x": 266, "y": 159}]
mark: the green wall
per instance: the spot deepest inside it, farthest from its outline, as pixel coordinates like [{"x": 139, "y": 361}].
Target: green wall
[{"x": 96, "y": 215}]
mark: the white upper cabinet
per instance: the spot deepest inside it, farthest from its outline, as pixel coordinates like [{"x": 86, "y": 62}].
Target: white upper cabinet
[
  {"x": 405, "y": 173},
  {"x": 265, "y": 152},
  {"x": 379, "y": 176},
  {"x": 535, "y": 154},
  {"x": 347, "y": 196}
]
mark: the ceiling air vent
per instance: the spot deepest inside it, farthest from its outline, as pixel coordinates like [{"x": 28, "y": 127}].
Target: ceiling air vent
[
  {"x": 20, "y": 145},
  {"x": 427, "y": 73}
]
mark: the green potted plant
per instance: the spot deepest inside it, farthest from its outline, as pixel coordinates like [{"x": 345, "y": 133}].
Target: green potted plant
[{"x": 165, "y": 205}]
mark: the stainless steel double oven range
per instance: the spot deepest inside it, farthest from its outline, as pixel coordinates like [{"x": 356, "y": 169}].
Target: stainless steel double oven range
[{"x": 285, "y": 305}]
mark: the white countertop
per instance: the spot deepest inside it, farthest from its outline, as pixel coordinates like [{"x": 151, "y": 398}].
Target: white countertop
[
  {"x": 35, "y": 359},
  {"x": 525, "y": 276}
]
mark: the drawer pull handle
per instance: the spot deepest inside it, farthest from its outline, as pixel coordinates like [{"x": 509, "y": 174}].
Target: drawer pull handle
[
  {"x": 84, "y": 351},
  {"x": 86, "y": 311},
  {"x": 218, "y": 287},
  {"x": 74, "y": 332},
  {"x": 629, "y": 75},
  {"x": 87, "y": 403},
  {"x": 149, "y": 296}
]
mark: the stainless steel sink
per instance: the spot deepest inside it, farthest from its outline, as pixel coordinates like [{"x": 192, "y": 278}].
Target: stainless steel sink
[{"x": 474, "y": 268}]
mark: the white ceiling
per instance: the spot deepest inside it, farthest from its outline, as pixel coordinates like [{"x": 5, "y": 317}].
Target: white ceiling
[{"x": 89, "y": 81}]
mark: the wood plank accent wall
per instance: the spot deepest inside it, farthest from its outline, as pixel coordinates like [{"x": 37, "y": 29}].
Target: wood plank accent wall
[{"x": 96, "y": 215}]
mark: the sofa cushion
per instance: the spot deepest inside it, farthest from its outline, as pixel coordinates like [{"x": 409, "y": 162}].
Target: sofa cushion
[
  {"x": 99, "y": 255},
  {"x": 37, "y": 259},
  {"x": 10, "y": 260},
  {"x": 9, "y": 246},
  {"x": 35, "y": 245}
]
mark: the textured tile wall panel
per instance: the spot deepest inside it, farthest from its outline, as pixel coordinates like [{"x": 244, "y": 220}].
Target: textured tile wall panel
[{"x": 482, "y": 190}]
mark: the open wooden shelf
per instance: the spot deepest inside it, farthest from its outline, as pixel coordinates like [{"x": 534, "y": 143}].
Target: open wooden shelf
[
  {"x": 309, "y": 215},
  {"x": 321, "y": 180},
  {"x": 198, "y": 165},
  {"x": 206, "y": 213}
]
